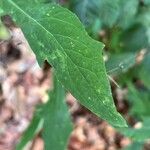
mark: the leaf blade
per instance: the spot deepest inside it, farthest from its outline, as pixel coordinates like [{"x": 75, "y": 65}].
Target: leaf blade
[
  {"x": 57, "y": 124},
  {"x": 33, "y": 129},
  {"x": 84, "y": 65}
]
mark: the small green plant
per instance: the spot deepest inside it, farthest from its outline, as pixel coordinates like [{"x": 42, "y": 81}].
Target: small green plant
[{"x": 56, "y": 34}]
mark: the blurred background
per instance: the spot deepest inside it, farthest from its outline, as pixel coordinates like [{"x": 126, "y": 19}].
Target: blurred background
[{"x": 124, "y": 27}]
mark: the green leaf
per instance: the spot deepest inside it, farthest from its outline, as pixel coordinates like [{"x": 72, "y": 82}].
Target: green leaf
[
  {"x": 89, "y": 11},
  {"x": 146, "y": 2},
  {"x": 56, "y": 35},
  {"x": 128, "y": 10},
  {"x": 140, "y": 108},
  {"x": 33, "y": 129},
  {"x": 139, "y": 100},
  {"x": 144, "y": 70},
  {"x": 130, "y": 38},
  {"x": 57, "y": 123},
  {"x": 142, "y": 134},
  {"x": 120, "y": 63},
  {"x": 135, "y": 146},
  {"x": 109, "y": 11},
  {"x": 144, "y": 19}
]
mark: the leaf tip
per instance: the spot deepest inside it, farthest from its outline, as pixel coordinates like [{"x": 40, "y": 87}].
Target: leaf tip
[{"x": 121, "y": 122}]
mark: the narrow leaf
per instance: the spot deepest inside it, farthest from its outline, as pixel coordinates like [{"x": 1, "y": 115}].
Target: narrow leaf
[
  {"x": 144, "y": 70},
  {"x": 120, "y": 63},
  {"x": 139, "y": 100},
  {"x": 33, "y": 129},
  {"x": 135, "y": 146},
  {"x": 142, "y": 134},
  {"x": 57, "y": 123}
]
